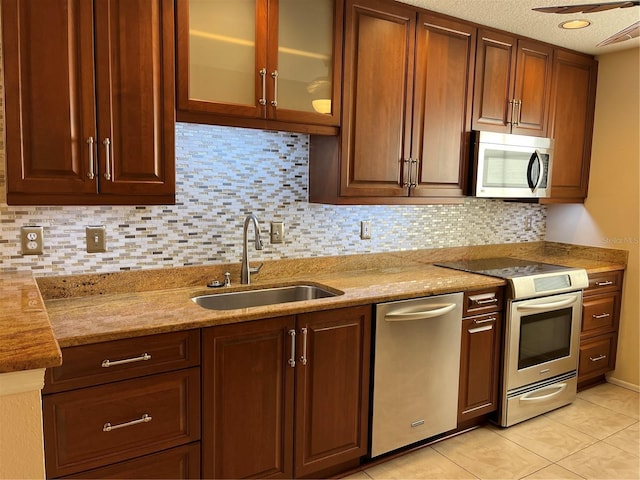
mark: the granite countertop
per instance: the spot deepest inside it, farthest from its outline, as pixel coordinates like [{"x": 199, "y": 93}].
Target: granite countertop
[
  {"x": 86, "y": 309},
  {"x": 27, "y": 341}
]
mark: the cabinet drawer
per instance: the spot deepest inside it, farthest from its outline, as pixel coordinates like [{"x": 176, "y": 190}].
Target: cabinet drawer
[
  {"x": 97, "y": 426},
  {"x": 597, "y": 356},
  {"x": 176, "y": 463},
  {"x": 482, "y": 301},
  {"x": 604, "y": 282},
  {"x": 99, "y": 363},
  {"x": 600, "y": 314}
]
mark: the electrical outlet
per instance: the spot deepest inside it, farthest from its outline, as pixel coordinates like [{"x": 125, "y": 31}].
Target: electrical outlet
[
  {"x": 365, "y": 230},
  {"x": 527, "y": 222},
  {"x": 96, "y": 239},
  {"x": 31, "y": 239},
  {"x": 277, "y": 232}
]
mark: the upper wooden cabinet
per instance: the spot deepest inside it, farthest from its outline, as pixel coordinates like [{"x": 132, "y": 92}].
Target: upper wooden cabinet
[
  {"x": 89, "y": 101},
  {"x": 249, "y": 61},
  {"x": 572, "y": 110},
  {"x": 512, "y": 84},
  {"x": 406, "y": 108}
]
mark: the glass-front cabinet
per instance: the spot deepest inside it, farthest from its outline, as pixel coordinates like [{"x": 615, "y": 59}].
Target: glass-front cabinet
[{"x": 261, "y": 59}]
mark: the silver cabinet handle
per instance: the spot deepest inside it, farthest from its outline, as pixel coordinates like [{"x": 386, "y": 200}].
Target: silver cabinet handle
[
  {"x": 512, "y": 103},
  {"x": 413, "y": 180},
  {"x": 486, "y": 320},
  {"x": 598, "y": 358},
  {"x": 144, "y": 419},
  {"x": 604, "y": 284},
  {"x": 517, "y": 104},
  {"x": 107, "y": 148},
  {"x": 141, "y": 358},
  {"x": 263, "y": 74},
  {"x": 602, "y": 315},
  {"x": 274, "y": 75},
  {"x": 486, "y": 328},
  {"x": 91, "y": 173},
  {"x": 303, "y": 358},
  {"x": 292, "y": 358},
  {"x": 486, "y": 302},
  {"x": 407, "y": 164}
]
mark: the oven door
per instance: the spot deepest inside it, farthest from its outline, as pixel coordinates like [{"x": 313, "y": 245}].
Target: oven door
[{"x": 543, "y": 336}]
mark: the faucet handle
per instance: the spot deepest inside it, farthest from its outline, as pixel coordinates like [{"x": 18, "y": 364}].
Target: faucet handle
[
  {"x": 259, "y": 244},
  {"x": 255, "y": 269}
]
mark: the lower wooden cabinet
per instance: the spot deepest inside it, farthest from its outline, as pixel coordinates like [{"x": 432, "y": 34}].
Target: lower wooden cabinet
[
  {"x": 176, "y": 463},
  {"x": 125, "y": 409},
  {"x": 286, "y": 397},
  {"x": 480, "y": 356},
  {"x": 600, "y": 319}
]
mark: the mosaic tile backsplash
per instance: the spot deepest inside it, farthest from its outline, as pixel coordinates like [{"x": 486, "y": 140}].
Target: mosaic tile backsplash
[{"x": 223, "y": 174}]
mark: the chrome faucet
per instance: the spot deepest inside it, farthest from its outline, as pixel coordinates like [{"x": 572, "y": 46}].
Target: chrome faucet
[{"x": 246, "y": 270}]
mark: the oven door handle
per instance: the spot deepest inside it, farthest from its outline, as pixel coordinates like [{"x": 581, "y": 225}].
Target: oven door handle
[
  {"x": 438, "y": 312},
  {"x": 557, "y": 390},
  {"x": 548, "y": 306}
]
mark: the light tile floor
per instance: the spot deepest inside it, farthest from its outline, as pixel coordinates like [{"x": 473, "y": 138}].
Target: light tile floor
[{"x": 596, "y": 437}]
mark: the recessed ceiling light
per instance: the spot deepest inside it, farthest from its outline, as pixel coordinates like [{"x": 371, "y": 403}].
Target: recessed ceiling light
[{"x": 574, "y": 24}]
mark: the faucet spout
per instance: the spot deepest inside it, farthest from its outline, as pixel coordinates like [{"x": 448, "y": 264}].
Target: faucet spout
[{"x": 245, "y": 270}]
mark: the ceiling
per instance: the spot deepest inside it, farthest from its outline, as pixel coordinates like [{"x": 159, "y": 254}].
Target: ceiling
[{"x": 517, "y": 17}]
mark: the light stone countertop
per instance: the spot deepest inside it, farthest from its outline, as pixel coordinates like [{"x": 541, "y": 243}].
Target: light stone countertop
[
  {"x": 92, "y": 308},
  {"x": 26, "y": 338}
]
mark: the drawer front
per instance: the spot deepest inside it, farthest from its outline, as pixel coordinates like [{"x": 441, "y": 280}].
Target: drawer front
[
  {"x": 604, "y": 282},
  {"x": 597, "y": 356},
  {"x": 97, "y": 426},
  {"x": 176, "y": 463},
  {"x": 477, "y": 302},
  {"x": 600, "y": 314},
  {"x": 99, "y": 363}
]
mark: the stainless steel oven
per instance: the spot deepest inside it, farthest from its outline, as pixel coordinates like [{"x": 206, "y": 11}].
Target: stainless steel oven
[{"x": 542, "y": 334}]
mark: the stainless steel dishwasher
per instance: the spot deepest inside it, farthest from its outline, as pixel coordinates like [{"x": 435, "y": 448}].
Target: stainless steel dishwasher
[{"x": 416, "y": 370}]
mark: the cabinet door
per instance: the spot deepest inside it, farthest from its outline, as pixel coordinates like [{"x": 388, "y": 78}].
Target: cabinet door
[
  {"x": 50, "y": 98},
  {"x": 495, "y": 70},
  {"x": 222, "y": 55},
  {"x": 305, "y": 40},
  {"x": 479, "y": 366},
  {"x": 134, "y": 65},
  {"x": 573, "y": 96},
  {"x": 445, "y": 55},
  {"x": 332, "y": 388},
  {"x": 377, "y": 101},
  {"x": 247, "y": 403},
  {"x": 532, "y": 88}
]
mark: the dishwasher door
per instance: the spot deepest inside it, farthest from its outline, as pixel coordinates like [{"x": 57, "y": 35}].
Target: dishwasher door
[{"x": 416, "y": 370}]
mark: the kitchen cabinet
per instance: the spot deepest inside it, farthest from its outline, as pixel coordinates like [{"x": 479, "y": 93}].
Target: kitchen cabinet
[
  {"x": 267, "y": 382},
  {"x": 127, "y": 408},
  {"x": 600, "y": 319},
  {"x": 260, "y": 62},
  {"x": 408, "y": 82},
  {"x": 572, "y": 111},
  {"x": 480, "y": 352},
  {"x": 89, "y": 101},
  {"x": 512, "y": 84}
]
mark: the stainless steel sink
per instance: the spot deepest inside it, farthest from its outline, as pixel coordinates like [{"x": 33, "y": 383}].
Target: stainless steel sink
[{"x": 263, "y": 296}]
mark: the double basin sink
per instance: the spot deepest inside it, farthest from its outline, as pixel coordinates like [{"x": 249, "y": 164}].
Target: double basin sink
[{"x": 263, "y": 296}]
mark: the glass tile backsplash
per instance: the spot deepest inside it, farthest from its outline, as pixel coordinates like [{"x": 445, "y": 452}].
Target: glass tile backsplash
[{"x": 222, "y": 175}]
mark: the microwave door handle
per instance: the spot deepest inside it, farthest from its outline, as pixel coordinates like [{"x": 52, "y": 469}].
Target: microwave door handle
[
  {"x": 532, "y": 186},
  {"x": 540, "y": 170}
]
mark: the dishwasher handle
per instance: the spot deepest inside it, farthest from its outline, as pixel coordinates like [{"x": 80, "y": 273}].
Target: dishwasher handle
[{"x": 421, "y": 315}]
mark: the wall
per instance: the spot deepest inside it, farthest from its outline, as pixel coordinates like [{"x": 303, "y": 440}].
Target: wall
[
  {"x": 21, "y": 451},
  {"x": 610, "y": 216}
]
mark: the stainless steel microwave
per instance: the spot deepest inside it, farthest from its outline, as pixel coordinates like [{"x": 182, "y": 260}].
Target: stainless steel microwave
[{"x": 511, "y": 166}]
